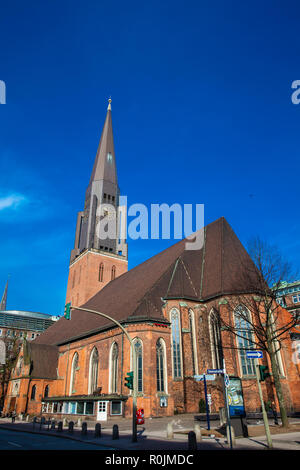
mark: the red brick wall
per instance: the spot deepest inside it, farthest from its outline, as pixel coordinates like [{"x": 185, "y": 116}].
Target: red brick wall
[
  {"x": 83, "y": 281},
  {"x": 183, "y": 393}
]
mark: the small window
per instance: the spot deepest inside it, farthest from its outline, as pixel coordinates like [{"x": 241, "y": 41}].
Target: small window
[
  {"x": 46, "y": 394},
  {"x": 116, "y": 408},
  {"x": 109, "y": 157},
  {"x": 33, "y": 392},
  {"x": 89, "y": 408},
  {"x": 101, "y": 269},
  {"x": 80, "y": 407}
]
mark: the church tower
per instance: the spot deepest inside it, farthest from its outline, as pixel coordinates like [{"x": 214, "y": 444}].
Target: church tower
[{"x": 100, "y": 253}]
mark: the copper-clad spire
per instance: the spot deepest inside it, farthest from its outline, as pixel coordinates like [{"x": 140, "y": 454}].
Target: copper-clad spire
[{"x": 105, "y": 164}]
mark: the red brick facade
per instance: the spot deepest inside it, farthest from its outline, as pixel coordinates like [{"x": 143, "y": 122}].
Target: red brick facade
[
  {"x": 90, "y": 272},
  {"x": 183, "y": 393}
]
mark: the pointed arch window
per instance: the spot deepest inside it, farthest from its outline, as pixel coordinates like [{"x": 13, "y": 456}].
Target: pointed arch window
[
  {"x": 101, "y": 270},
  {"x": 176, "y": 350},
  {"x": 193, "y": 341},
  {"x": 215, "y": 340},
  {"x": 93, "y": 371},
  {"x": 33, "y": 392},
  {"x": 74, "y": 371},
  {"x": 114, "y": 368},
  {"x": 242, "y": 320},
  {"x": 113, "y": 273},
  {"x": 160, "y": 366},
  {"x": 139, "y": 364},
  {"x": 46, "y": 392}
]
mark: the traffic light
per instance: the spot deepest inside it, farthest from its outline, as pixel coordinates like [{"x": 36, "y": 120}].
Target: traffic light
[
  {"x": 67, "y": 313},
  {"x": 129, "y": 380},
  {"x": 263, "y": 373}
]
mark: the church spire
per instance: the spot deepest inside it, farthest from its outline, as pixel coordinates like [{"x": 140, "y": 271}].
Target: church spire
[
  {"x": 105, "y": 164},
  {"x": 4, "y": 298},
  {"x": 102, "y": 193}
]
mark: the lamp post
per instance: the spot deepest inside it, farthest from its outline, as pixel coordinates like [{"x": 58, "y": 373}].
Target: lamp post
[{"x": 134, "y": 390}]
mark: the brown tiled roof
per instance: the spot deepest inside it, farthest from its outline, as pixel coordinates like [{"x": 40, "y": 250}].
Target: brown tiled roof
[
  {"x": 43, "y": 359},
  {"x": 137, "y": 295}
]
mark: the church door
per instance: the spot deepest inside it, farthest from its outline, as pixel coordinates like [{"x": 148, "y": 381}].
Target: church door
[{"x": 102, "y": 410}]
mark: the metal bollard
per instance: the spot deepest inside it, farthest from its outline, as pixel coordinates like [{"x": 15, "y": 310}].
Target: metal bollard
[
  {"x": 71, "y": 427},
  {"x": 115, "y": 432},
  {"x": 192, "y": 442},
  {"x": 197, "y": 431},
  {"x": 84, "y": 428},
  {"x": 170, "y": 432},
  {"x": 232, "y": 435},
  {"x": 98, "y": 430}
]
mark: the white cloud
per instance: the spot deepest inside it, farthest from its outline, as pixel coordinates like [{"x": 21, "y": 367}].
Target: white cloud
[{"x": 12, "y": 201}]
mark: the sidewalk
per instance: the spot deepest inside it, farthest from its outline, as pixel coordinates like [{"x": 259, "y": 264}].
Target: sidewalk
[{"x": 152, "y": 435}]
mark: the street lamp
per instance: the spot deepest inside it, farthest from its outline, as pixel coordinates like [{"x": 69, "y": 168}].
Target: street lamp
[{"x": 134, "y": 391}]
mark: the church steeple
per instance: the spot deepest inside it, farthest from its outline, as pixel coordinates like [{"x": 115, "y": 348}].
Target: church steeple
[
  {"x": 4, "y": 298},
  {"x": 101, "y": 205},
  {"x": 105, "y": 161}
]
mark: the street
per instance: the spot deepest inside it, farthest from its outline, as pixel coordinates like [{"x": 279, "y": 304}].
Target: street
[{"x": 12, "y": 440}]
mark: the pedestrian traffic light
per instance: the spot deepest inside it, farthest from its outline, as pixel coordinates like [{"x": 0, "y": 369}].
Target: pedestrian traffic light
[
  {"x": 67, "y": 313},
  {"x": 129, "y": 380},
  {"x": 263, "y": 373}
]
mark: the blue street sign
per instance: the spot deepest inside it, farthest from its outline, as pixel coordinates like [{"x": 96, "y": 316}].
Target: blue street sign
[
  {"x": 254, "y": 354},
  {"x": 226, "y": 380},
  {"x": 199, "y": 378},
  {"x": 215, "y": 371}
]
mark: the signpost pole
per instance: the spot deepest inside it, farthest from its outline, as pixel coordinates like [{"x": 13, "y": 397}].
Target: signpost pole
[
  {"x": 265, "y": 417},
  {"x": 206, "y": 403},
  {"x": 226, "y": 404}
]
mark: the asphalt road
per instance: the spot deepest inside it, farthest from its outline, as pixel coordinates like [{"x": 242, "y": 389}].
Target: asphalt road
[{"x": 12, "y": 440}]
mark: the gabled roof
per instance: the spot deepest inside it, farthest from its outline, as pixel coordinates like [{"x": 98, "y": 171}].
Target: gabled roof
[
  {"x": 43, "y": 359},
  {"x": 138, "y": 295}
]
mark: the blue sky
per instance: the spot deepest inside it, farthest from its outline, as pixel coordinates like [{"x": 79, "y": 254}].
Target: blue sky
[{"x": 202, "y": 113}]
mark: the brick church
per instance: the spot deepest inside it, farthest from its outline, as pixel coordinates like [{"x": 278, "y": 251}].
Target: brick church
[{"x": 77, "y": 367}]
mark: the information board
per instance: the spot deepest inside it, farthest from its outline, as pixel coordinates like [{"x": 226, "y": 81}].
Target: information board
[{"x": 235, "y": 397}]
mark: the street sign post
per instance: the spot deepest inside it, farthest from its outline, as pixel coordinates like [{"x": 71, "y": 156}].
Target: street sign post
[
  {"x": 215, "y": 371},
  {"x": 226, "y": 380},
  {"x": 254, "y": 354},
  {"x": 200, "y": 377}
]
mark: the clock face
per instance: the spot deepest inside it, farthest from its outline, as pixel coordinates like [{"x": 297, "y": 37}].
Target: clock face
[
  {"x": 109, "y": 157},
  {"x": 109, "y": 213}
]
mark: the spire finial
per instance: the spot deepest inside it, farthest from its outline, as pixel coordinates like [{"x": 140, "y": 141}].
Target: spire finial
[{"x": 109, "y": 104}]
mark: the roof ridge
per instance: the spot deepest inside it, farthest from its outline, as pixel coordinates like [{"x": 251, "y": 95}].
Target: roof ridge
[{"x": 189, "y": 277}]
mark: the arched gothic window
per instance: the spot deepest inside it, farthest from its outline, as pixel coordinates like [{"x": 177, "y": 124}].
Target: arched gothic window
[
  {"x": 244, "y": 333},
  {"x": 74, "y": 371},
  {"x": 160, "y": 366},
  {"x": 114, "y": 368},
  {"x": 113, "y": 273},
  {"x": 101, "y": 269},
  {"x": 176, "y": 351},
  {"x": 139, "y": 364},
  {"x": 215, "y": 340},
  {"x": 33, "y": 392},
  {"x": 93, "y": 371},
  {"x": 193, "y": 341},
  {"x": 46, "y": 392}
]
